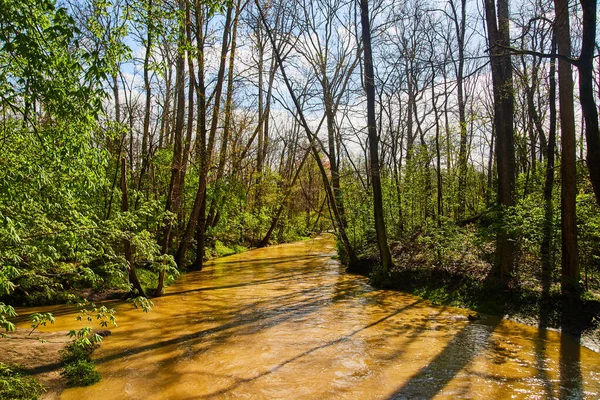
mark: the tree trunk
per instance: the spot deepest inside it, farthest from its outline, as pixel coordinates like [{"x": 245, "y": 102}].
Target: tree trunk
[
  {"x": 549, "y": 184},
  {"x": 498, "y": 35},
  {"x": 206, "y": 150},
  {"x": 384, "y": 250},
  {"x": 570, "y": 269},
  {"x": 460, "y": 28},
  {"x": 586, "y": 93},
  {"x": 148, "y": 90},
  {"x": 213, "y": 210},
  {"x": 174, "y": 193},
  {"x": 133, "y": 278}
]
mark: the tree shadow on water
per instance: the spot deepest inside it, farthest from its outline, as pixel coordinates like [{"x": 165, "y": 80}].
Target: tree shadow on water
[
  {"x": 461, "y": 350},
  {"x": 343, "y": 338},
  {"x": 571, "y": 385}
]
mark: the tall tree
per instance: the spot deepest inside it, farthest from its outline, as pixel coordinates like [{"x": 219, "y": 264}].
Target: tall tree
[
  {"x": 174, "y": 191},
  {"x": 459, "y": 18},
  {"x": 384, "y": 249},
  {"x": 568, "y": 173},
  {"x": 585, "y": 64},
  {"x": 197, "y": 219},
  {"x": 499, "y": 40},
  {"x": 341, "y": 229}
]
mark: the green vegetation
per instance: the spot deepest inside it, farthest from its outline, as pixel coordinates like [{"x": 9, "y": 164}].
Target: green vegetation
[
  {"x": 80, "y": 373},
  {"x": 451, "y": 263},
  {"x": 15, "y": 386},
  {"x": 78, "y": 368}
]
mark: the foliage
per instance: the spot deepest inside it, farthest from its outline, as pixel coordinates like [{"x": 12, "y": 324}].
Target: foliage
[
  {"x": 78, "y": 369},
  {"x": 6, "y": 312},
  {"x": 80, "y": 373},
  {"x": 76, "y": 351},
  {"x": 50, "y": 169},
  {"x": 15, "y": 386},
  {"x": 142, "y": 302},
  {"x": 40, "y": 319}
]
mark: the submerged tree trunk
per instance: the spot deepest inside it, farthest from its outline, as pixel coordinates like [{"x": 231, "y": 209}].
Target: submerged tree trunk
[{"x": 384, "y": 250}]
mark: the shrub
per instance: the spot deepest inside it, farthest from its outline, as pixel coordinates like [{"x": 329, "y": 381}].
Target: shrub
[
  {"x": 78, "y": 369},
  {"x": 80, "y": 373},
  {"x": 15, "y": 386},
  {"x": 75, "y": 351}
]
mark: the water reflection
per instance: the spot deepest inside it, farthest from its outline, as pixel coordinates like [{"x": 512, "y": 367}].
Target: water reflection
[{"x": 286, "y": 322}]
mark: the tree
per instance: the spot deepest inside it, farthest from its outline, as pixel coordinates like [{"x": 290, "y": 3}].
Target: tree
[
  {"x": 384, "y": 250},
  {"x": 570, "y": 268},
  {"x": 499, "y": 40},
  {"x": 174, "y": 191},
  {"x": 197, "y": 219},
  {"x": 585, "y": 64},
  {"x": 312, "y": 143}
]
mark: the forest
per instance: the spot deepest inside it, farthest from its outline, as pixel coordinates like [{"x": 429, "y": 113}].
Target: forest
[{"x": 452, "y": 147}]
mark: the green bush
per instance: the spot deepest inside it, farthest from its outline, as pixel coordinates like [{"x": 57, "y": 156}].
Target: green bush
[
  {"x": 78, "y": 369},
  {"x": 15, "y": 386},
  {"x": 80, "y": 373},
  {"x": 76, "y": 351}
]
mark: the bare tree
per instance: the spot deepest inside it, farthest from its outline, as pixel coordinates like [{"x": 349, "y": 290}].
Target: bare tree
[{"x": 384, "y": 249}]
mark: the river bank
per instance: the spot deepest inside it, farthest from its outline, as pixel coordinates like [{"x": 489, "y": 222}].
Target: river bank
[
  {"x": 578, "y": 318},
  {"x": 464, "y": 282},
  {"x": 38, "y": 356}
]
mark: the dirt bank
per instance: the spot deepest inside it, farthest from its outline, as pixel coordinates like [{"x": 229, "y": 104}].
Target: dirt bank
[{"x": 38, "y": 355}]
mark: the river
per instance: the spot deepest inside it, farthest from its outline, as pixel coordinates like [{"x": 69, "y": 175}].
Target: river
[{"x": 286, "y": 322}]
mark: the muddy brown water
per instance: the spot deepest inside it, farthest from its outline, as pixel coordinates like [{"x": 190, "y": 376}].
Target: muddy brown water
[{"x": 286, "y": 322}]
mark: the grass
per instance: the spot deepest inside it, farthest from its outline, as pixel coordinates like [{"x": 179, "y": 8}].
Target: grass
[{"x": 222, "y": 250}]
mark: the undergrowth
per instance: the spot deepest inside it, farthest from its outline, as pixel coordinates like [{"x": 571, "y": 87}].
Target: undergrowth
[
  {"x": 78, "y": 368},
  {"x": 14, "y": 385}
]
